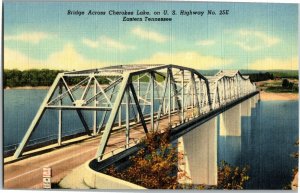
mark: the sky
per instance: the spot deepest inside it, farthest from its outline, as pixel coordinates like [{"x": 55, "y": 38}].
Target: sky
[{"x": 259, "y": 36}]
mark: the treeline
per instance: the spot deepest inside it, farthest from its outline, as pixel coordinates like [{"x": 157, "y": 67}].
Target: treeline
[
  {"x": 34, "y": 77},
  {"x": 261, "y": 77}
]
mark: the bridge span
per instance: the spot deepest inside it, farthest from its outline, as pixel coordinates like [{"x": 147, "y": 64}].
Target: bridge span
[{"x": 128, "y": 101}]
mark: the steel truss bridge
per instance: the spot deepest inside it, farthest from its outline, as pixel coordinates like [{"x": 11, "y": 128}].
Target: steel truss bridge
[{"x": 145, "y": 95}]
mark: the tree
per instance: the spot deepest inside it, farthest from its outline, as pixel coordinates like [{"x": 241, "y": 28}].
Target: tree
[
  {"x": 230, "y": 177},
  {"x": 155, "y": 166},
  {"x": 285, "y": 83}
]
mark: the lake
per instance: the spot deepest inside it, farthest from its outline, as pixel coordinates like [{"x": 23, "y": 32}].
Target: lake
[{"x": 266, "y": 142}]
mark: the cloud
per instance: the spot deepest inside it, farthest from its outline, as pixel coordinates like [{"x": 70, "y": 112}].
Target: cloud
[
  {"x": 275, "y": 64},
  {"x": 149, "y": 35},
  {"x": 90, "y": 43},
  {"x": 253, "y": 40},
  {"x": 111, "y": 43},
  {"x": 105, "y": 42},
  {"x": 188, "y": 59},
  {"x": 206, "y": 42},
  {"x": 66, "y": 59},
  {"x": 17, "y": 60},
  {"x": 32, "y": 37}
]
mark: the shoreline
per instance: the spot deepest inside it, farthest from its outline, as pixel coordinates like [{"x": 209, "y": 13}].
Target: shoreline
[
  {"x": 269, "y": 96},
  {"x": 27, "y": 88}
]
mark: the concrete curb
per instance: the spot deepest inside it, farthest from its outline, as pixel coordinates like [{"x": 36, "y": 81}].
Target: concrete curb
[{"x": 99, "y": 180}]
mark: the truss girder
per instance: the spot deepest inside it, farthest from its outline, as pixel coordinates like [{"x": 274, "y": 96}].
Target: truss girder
[{"x": 138, "y": 94}]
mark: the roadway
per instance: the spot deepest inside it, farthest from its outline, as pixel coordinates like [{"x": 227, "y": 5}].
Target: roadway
[{"x": 26, "y": 173}]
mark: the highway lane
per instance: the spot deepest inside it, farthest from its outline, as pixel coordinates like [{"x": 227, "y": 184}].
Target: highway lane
[{"x": 27, "y": 173}]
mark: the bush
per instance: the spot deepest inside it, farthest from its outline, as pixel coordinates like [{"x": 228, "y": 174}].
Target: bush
[
  {"x": 154, "y": 167},
  {"x": 232, "y": 177},
  {"x": 285, "y": 83}
]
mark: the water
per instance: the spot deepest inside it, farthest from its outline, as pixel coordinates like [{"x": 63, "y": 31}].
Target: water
[{"x": 265, "y": 144}]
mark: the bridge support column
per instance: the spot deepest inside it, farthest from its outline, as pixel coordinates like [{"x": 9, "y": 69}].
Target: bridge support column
[
  {"x": 230, "y": 121},
  {"x": 199, "y": 148},
  {"x": 253, "y": 102},
  {"x": 246, "y": 108}
]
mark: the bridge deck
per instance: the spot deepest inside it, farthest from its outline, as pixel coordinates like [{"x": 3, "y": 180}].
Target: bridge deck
[{"x": 27, "y": 172}]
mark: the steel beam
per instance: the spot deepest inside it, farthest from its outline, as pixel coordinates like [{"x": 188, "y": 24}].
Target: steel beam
[
  {"x": 105, "y": 112},
  {"x": 175, "y": 93},
  {"x": 138, "y": 94},
  {"x": 161, "y": 102},
  {"x": 152, "y": 77},
  {"x": 37, "y": 117},
  {"x": 85, "y": 125},
  {"x": 169, "y": 101},
  {"x": 182, "y": 95},
  {"x": 59, "y": 116},
  {"x": 86, "y": 89},
  {"x": 88, "y": 101},
  {"x": 138, "y": 107},
  {"x": 95, "y": 112},
  {"x": 127, "y": 101},
  {"x": 61, "y": 96},
  {"x": 112, "y": 117}
]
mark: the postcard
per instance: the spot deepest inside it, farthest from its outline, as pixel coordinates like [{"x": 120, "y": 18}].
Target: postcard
[{"x": 150, "y": 95}]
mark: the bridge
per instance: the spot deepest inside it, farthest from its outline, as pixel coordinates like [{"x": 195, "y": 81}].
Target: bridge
[{"x": 133, "y": 100}]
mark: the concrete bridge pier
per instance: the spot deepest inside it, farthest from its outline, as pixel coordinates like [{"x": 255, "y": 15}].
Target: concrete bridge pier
[
  {"x": 231, "y": 122},
  {"x": 246, "y": 108},
  {"x": 199, "y": 159},
  {"x": 254, "y": 100}
]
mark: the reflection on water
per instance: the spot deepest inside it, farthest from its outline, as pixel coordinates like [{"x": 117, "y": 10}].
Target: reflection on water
[{"x": 266, "y": 142}]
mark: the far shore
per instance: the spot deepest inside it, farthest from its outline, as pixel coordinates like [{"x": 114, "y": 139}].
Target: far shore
[
  {"x": 269, "y": 96},
  {"x": 28, "y": 88}
]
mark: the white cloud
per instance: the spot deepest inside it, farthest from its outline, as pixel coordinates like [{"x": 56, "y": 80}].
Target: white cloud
[
  {"x": 149, "y": 35},
  {"x": 66, "y": 59},
  {"x": 253, "y": 40},
  {"x": 111, "y": 43},
  {"x": 189, "y": 59},
  {"x": 90, "y": 43},
  {"x": 32, "y": 37},
  {"x": 275, "y": 64},
  {"x": 206, "y": 42},
  {"x": 105, "y": 42},
  {"x": 17, "y": 60}
]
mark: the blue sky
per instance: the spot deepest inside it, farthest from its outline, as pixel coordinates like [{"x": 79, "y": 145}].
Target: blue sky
[{"x": 253, "y": 36}]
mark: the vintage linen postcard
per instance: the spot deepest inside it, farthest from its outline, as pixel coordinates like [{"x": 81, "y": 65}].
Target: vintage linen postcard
[{"x": 150, "y": 95}]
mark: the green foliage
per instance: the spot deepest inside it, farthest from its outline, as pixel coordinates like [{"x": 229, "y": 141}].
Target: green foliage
[
  {"x": 230, "y": 177},
  {"x": 34, "y": 77},
  {"x": 261, "y": 77},
  {"x": 295, "y": 170},
  {"x": 285, "y": 83},
  {"x": 154, "y": 167},
  {"x": 286, "y": 74},
  {"x": 288, "y": 86}
]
